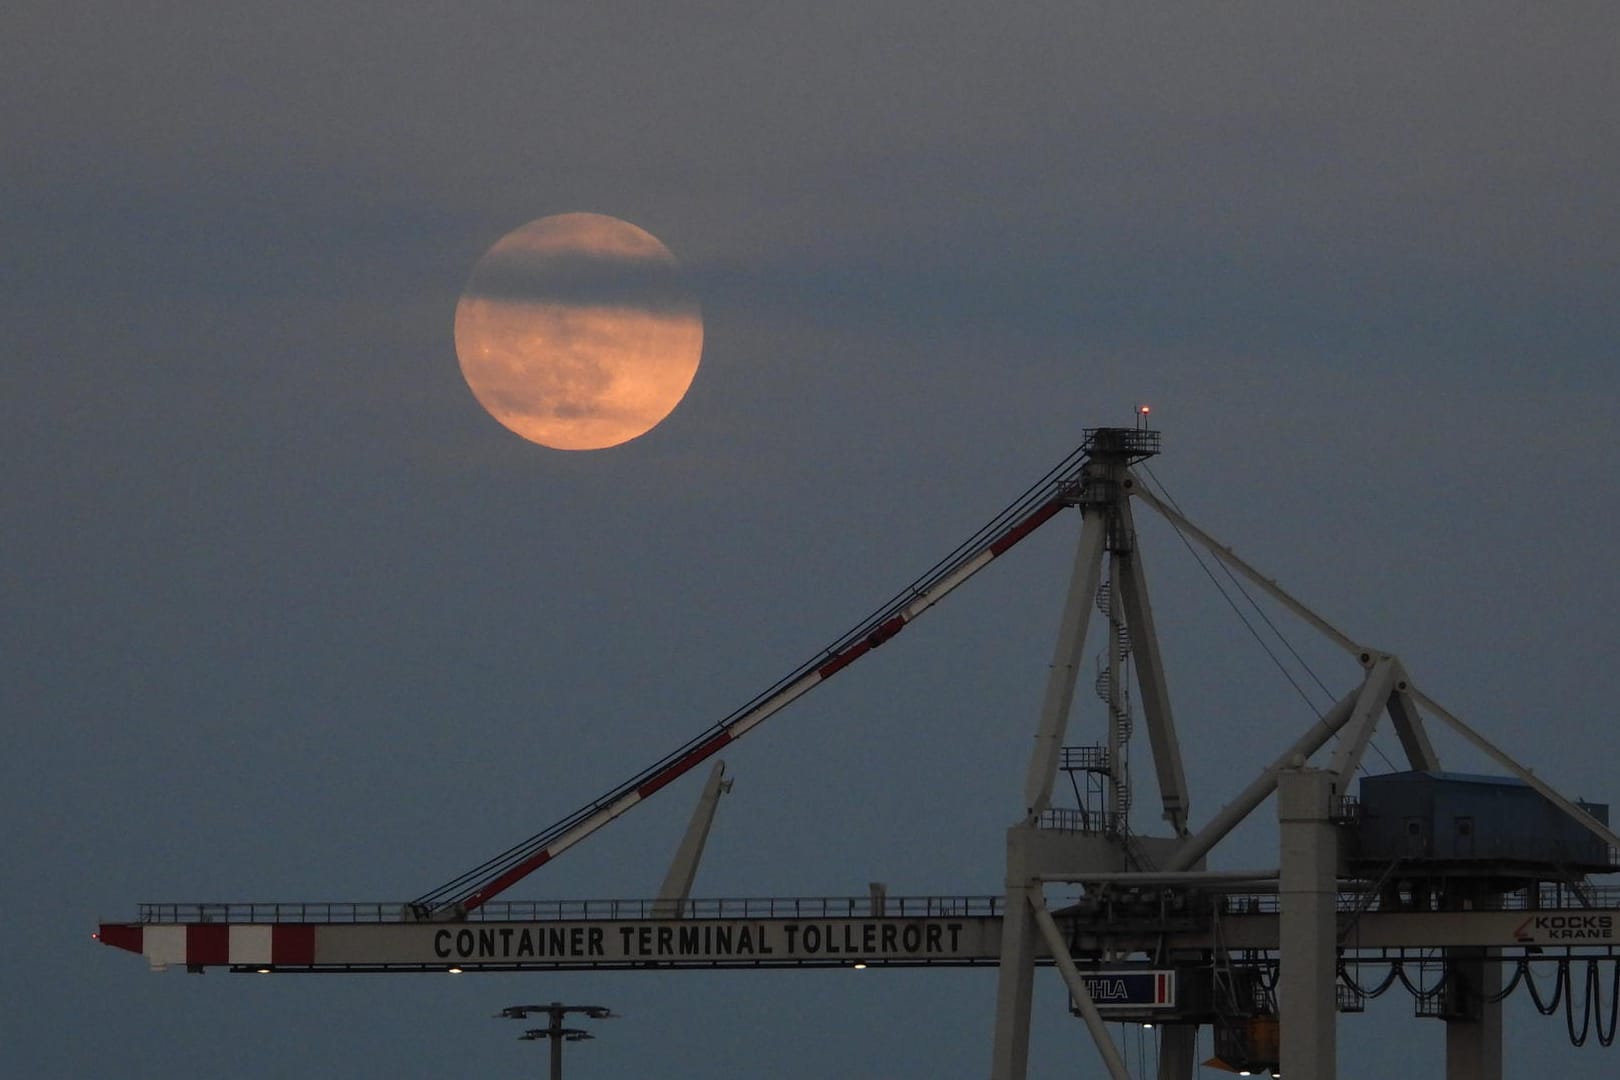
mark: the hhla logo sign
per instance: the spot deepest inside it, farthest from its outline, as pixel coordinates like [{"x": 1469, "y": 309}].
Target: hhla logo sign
[{"x": 1566, "y": 926}]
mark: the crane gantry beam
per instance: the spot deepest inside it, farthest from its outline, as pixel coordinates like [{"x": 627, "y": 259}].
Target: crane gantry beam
[{"x": 797, "y": 933}]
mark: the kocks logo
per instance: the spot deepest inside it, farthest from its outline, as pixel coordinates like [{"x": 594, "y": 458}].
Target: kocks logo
[{"x": 1573, "y": 926}]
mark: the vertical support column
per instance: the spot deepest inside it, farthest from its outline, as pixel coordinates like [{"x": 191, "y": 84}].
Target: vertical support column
[
  {"x": 1178, "y": 1051},
  {"x": 1474, "y": 1026},
  {"x": 1308, "y": 890},
  {"x": 1015, "y": 982}
]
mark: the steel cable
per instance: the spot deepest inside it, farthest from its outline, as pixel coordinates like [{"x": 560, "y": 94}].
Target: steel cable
[
  {"x": 1417, "y": 991},
  {"x": 1389, "y": 980},
  {"x": 1043, "y": 491},
  {"x": 1560, "y": 984},
  {"x": 1276, "y": 632},
  {"x": 1592, "y": 1006},
  {"x": 1589, "y": 985},
  {"x": 1614, "y": 1004},
  {"x": 1518, "y": 976}
]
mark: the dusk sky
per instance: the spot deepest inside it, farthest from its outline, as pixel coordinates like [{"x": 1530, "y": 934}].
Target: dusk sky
[{"x": 288, "y": 616}]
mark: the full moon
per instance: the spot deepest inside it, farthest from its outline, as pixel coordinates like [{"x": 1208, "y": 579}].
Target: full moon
[{"x": 577, "y": 332}]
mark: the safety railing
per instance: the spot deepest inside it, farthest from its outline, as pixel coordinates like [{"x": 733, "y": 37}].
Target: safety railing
[
  {"x": 1071, "y": 819},
  {"x": 1549, "y": 897},
  {"x": 819, "y": 907}
]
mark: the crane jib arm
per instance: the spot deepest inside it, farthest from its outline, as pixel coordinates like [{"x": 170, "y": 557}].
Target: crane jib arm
[{"x": 877, "y": 630}]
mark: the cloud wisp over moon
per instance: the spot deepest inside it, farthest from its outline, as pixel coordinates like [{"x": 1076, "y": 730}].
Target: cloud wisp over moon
[{"x": 577, "y": 332}]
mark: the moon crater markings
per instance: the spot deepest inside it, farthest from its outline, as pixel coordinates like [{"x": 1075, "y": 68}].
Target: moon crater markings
[{"x": 578, "y": 332}]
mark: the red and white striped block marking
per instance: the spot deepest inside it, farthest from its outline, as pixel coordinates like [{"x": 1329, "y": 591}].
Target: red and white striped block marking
[{"x": 214, "y": 944}]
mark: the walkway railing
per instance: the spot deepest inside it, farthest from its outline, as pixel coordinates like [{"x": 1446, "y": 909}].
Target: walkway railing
[
  {"x": 818, "y": 907},
  {"x": 1550, "y": 897}
]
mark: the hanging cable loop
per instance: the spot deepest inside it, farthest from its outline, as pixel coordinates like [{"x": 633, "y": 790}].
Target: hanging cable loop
[
  {"x": 1419, "y": 992},
  {"x": 1607, "y": 1039},
  {"x": 1513, "y": 983},
  {"x": 1589, "y": 986},
  {"x": 1560, "y": 987},
  {"x": 1389, "y": 980}
]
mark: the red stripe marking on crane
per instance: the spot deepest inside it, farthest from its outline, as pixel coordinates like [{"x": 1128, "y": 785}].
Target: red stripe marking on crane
[
  {"x": 292, "y": 945},
  {"x": 121, "y": 936},
  {"x": 685, "y": 762},
  {"x": 540, "y": 858},
  {"x": 883, "y": 632},
  {"x": 500, "y": 884},
  {"x": 886, "y": 630},
  {"x": 1025, "y": 527},
  {"x": 842, "y": 660},
  {"x": 208, "y": 943}
]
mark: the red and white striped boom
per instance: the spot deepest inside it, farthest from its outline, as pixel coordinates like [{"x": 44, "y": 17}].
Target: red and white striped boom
[{"x": 1033, "y": 509}]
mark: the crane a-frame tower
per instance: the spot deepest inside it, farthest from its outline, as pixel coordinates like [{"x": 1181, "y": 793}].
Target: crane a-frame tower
[{"x": 1264, "y": 956}]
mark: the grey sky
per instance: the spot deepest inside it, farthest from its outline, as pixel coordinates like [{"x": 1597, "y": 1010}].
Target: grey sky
[{"x": 289, "y": 617}]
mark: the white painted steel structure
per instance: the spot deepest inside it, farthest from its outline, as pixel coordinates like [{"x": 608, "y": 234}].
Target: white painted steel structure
[
  {"x": 913, "y": 931},
  {"x": 1322, "y": 914}
]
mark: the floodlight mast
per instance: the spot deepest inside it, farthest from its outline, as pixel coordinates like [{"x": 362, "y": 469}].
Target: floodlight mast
[{"x": 555, "y": 1031}]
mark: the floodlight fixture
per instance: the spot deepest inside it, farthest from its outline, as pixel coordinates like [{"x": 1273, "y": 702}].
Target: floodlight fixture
[{"x": 555, "y": 1032}]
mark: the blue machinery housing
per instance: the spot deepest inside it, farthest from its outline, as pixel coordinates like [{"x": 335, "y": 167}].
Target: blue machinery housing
[{"x": 1474, "y": 821}]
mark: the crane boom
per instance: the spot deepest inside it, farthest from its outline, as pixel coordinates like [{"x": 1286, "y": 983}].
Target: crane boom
[{"x": 1038, "y": 505}]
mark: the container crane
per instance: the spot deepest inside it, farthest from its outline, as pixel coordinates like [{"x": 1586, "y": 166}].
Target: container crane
[{"x": 1265, "y": 957}]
